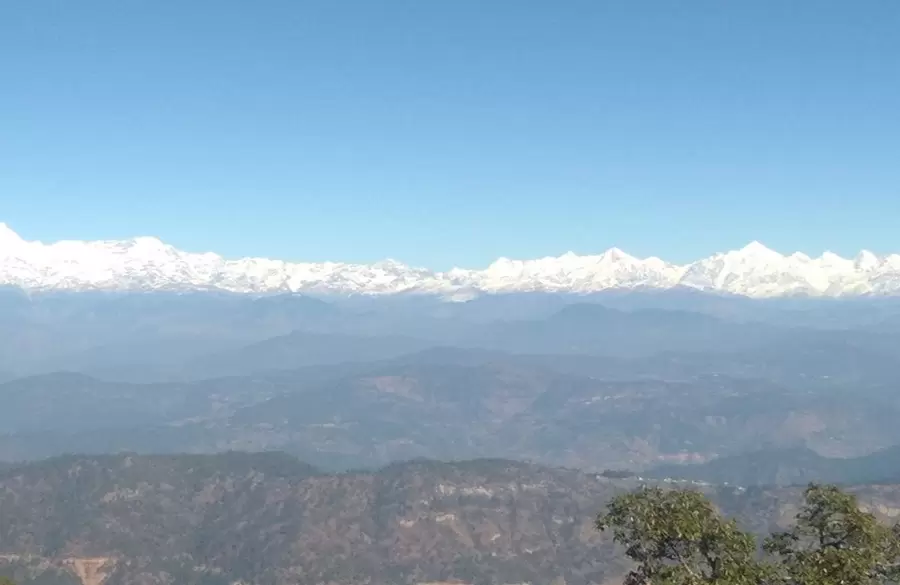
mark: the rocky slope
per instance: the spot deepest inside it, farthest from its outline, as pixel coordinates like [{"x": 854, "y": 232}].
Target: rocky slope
[{"x": 267, "y": 518}]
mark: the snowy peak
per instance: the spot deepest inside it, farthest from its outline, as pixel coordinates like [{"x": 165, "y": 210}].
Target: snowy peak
[
  {"x": 756, "y": 250},
  {"x": 8, "y": 238},
  {"x": 147, "y": 263},
  {"x": 866, "y": 261},
  {"x": 615, "y": 255},
  {"x": 572, "y": 273}
]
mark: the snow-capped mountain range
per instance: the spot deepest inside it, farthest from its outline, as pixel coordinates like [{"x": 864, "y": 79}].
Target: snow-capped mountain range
[{"x": 146, "y": 263}]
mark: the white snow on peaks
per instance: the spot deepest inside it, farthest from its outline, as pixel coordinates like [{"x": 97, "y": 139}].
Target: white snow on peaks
[
  {"x": 8, "y": 238},
  {"x": 146, "y": 263},
  {"x": 570, "y": 272}
]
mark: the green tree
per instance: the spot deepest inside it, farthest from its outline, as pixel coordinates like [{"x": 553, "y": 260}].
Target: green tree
[
  {"x": 677, "y": 537},
  {"x": 6, "y": 581},
  {"x": 835, "y": 543}
]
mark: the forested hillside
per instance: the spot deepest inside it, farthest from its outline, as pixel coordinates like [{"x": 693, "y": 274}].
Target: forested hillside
[{"x": 267, "y": 518}]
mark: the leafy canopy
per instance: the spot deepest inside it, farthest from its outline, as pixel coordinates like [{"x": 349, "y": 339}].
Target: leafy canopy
[
  {"x": 835, "y": 543},
  {"x": 677, "y": 537}
]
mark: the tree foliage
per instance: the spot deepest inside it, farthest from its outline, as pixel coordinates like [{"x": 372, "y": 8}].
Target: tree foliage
[
  {"x": 677, "y": 537},
  {"x": 835, "y": 543}
]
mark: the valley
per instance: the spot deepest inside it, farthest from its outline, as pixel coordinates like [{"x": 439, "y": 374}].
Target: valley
[
  {"x": 214, "y": 439},
  {"x": 449, "y": 293}
]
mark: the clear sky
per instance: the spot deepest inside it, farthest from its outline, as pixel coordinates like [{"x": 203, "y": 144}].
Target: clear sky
[{"x": 451, "y": 132}]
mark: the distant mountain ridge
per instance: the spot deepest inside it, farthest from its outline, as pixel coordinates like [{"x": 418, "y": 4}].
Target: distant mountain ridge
[
  {"x": 146, "y": 263},
  {"x": 795, "y": 466},
  {"x": 577, "y": 410}
]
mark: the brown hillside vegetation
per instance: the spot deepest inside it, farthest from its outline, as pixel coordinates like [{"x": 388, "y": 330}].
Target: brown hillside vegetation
[{"x": 268, "y": 518}]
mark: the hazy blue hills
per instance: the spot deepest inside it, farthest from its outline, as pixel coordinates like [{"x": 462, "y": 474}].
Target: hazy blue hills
[
  {"x": 790, "y": 467},
  {"x": 624, "y": 381},
  {"x": 452, "y": 403}
]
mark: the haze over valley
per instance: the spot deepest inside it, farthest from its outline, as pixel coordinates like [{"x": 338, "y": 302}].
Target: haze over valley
[
  {"x": 615, "y": 380},
  {"x": 334, "y": 408},
  {"x": 449, "y": 293}
]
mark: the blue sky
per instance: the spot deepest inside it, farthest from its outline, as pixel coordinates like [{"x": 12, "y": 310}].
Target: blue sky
[{"x": 452, "y": 132}]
